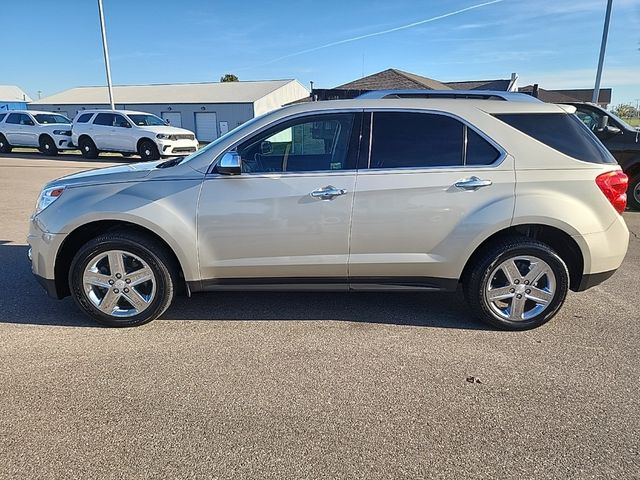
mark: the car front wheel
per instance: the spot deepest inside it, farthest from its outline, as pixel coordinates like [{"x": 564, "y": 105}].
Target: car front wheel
[
  {"x": 148, "y": 151},
  {"x": 48, "y": 146},
  {"x": 517, "y": 284},
  {"x": 87, "y": 148},
  {"x": 123, "y": 279}
]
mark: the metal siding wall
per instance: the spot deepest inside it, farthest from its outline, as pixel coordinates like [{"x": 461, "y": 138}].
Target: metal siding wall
[
  {"x": 233, "y": 113},
  {"x": 4, "y": 106}
]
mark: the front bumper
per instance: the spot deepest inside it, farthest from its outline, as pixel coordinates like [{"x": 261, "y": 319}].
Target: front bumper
[
  {"x": 43, "y": 249},
  {"x": 63, "y": 142},
  {"x": 176, "y": 147}
]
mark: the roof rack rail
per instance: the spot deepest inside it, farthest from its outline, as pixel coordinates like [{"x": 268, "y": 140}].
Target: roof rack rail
[{"x": 456, "y": 94}]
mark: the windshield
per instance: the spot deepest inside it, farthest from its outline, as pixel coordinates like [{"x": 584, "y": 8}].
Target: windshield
[
  {"x": 222, "y": 138},
  {"x": 45, "y": 118},
  {"x": 145, "y": 119}
]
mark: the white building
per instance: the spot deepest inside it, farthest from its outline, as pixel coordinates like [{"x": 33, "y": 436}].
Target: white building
[{"x": 208, "y": 109}]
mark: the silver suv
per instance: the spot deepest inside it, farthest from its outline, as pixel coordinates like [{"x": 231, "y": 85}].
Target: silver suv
[{"x": 517, "y": 202}]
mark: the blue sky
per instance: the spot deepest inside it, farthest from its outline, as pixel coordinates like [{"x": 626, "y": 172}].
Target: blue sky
[{"x": 54, "y": 45}]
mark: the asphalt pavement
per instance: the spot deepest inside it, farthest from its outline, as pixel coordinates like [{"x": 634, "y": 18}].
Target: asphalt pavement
[{"x": 309, "y": 385}]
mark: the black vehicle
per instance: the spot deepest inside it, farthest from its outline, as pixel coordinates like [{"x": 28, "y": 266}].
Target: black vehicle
[{"x": 621, "y": 139}]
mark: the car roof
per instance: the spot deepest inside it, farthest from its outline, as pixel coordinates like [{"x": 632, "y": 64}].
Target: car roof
[
  {"x": 34, "y": 112},
  {"x": 106, "y": 110},
  {"x": 452, "y": 94},
  {"x": 439, "y": 104}
]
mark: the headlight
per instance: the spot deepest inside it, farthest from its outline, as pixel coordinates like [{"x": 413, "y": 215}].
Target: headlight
[
  {"x": 165, "y": 136},
  {"x": 47, "y": 197},
  {"x": 66, "y": 133}
]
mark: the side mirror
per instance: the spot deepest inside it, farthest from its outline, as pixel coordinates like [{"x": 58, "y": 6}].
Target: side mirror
[
  {"x": 604, "y": 127},
  {"x": 266, "y": 147},
  {"x": 230, "y": 164},
  {"x": 166, "y": 122},
  {"x": 611, "y": 130}
]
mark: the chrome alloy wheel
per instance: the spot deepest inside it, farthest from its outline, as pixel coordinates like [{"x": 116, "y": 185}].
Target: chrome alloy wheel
[
  {"x": 119, "y": 283},
  {"x": 520, "y": 288},
  {"x": 636, "y": 192}
]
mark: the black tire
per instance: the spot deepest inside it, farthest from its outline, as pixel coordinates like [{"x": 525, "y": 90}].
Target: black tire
[
  {"x": 152, "y": 252},
  {"x": 87, "y": 148},
  {"x": 5, "y": 146},
  {"x": 476, "y": 283},
  {"x": 47, "y": 145},
  {"x": 148, "y": 151},
  {"x": 633, "y": 192}
]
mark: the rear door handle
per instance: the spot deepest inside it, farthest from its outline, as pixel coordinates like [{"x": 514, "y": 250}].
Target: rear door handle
[
  {"x": 472, "y": 183},
  {"x": 328, "y": 193}
]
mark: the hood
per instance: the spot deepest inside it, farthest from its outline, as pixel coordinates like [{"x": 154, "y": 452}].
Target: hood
[
  {"x": 166, "y": 129},
  {"x": 117, "y": 174}
]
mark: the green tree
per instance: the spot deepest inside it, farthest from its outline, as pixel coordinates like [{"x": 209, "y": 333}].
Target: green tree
[
  {"x": 229, "y": 77},
  {"x": 625, "y": 110}
]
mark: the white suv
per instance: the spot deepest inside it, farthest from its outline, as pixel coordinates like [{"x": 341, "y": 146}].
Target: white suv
[
  {"x": 48, "y": 131},
  {"x": 517, "y": 202},
  {"x": 130, "y": 132}
]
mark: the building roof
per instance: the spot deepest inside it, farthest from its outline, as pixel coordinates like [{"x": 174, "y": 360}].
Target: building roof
[
  {"x": 549, "y": 96},
  {"x": 11, "y": 93},
  {"x": 209, "y": 92},
  {"x": 586, "y": 94},
  {"x": 393, "y": 78},
  {"x": 500, "y": 85}
]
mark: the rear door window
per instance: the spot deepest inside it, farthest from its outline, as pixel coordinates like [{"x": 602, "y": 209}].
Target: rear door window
[
  {"x": 416, "y": 140},
  {"x": 562, "y": 132},
  {"x": 106, "y": 119}
]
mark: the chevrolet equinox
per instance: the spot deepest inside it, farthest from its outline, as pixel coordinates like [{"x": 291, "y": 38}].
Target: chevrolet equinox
[{"x": 516, "y": 202}]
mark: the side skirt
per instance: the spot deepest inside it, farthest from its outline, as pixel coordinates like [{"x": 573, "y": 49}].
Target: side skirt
[{"x": 332, "y": 284}]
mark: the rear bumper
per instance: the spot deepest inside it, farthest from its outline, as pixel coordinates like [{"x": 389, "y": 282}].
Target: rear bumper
[{"x": 592, "y": 279}]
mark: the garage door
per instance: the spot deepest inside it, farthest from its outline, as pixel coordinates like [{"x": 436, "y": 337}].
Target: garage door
[
  {"x": 174, "y": 118},
  {"x": 206, "y": 130}
]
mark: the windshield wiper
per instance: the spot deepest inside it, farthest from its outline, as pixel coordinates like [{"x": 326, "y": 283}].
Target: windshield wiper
[{"x": 172, "y": 162}]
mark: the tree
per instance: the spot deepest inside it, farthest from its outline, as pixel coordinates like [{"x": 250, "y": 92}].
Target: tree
[
  {"x": 625, "y": 111},
  {"x": 229, "y": 77}
]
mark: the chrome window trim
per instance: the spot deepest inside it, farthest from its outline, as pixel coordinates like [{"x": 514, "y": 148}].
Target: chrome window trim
[
  {"x": 501, "y": 157},
  {"x": 280, "y": 121}
]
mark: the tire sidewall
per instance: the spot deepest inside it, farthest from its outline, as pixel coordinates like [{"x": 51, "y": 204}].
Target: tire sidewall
[
  {"x": 91, "y": 151},
  {"x": 164, "y": 281},
  {"x": 52, "y": 150},
  {"x": 148, "y": 145},
  {"x": 562, "y": 287},
  {"x": 633, "y": 202},
  {"x": 5, "y": 147}
]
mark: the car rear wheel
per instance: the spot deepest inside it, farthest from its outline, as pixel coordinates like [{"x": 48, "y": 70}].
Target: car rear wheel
[
  {"x": 5, "y": 146},
  {"x": 633, "y": 193},
  {"x": 517, "y": 284},
  {"x": 148, "y": 151},
  {"x": 48, "y": 146},
  {"x": 123, "y": 279},
  {"x": 87, "y": 148}
]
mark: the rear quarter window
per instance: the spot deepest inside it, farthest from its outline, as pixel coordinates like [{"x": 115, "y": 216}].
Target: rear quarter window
[{"x": 562, "y": 132}]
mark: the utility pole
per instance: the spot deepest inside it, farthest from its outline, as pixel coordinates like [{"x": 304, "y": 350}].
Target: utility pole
[
  {"x": 105, "y": 49},
  {"x": 603, "y": 47}
]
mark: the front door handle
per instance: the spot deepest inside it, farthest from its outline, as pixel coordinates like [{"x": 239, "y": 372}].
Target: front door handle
[
  {"x": 328, "y": 193},
  {"x": 472, "y": 183}
]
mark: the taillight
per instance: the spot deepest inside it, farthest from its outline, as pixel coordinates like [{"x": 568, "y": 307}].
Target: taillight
[{"x": 614, "y": 186}]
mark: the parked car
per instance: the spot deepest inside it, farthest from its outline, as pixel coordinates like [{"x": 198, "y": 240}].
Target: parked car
[
  {"x": 49, "y": 131},
  {"x": 518, "y": 202},
  {"x": 620, "y": 138},
  {"x": 129, "y": 132}
]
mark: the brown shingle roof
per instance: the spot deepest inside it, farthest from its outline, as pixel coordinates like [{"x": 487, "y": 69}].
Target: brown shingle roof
[
  {"x": 500, "y": 85},
  {"x": 549, "y": 96},
  {"x": 394, "y": 79},
  {"x": 586, "y": 94}
]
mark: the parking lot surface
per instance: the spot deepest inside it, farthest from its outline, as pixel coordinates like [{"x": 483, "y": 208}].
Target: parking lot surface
[{"x": 309, "y": 385}]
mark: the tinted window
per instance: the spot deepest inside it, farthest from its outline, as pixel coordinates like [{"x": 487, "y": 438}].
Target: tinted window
[
  {"x": 144, "y": 120},
  {"x": 319, "y": 142},
  {"x": 13, "y": 118},
  {"x": 479, "y": 151},
  {"x": 19, "y": 119},
  {"x": 84, "y": 118},
  {"x": 403, "y": 139},
  {"x": 120, "y": 121},
  {"x": 562, "y": 132},
  {"x": 45, "y": 118},
  {"x": 104, "y": 119},
  {"x": 2, "y": 115}
]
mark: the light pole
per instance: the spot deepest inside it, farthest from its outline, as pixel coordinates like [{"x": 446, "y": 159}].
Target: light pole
[
  {"x": 105, "y": 49},
  {"x": 603, "y": 47}
]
